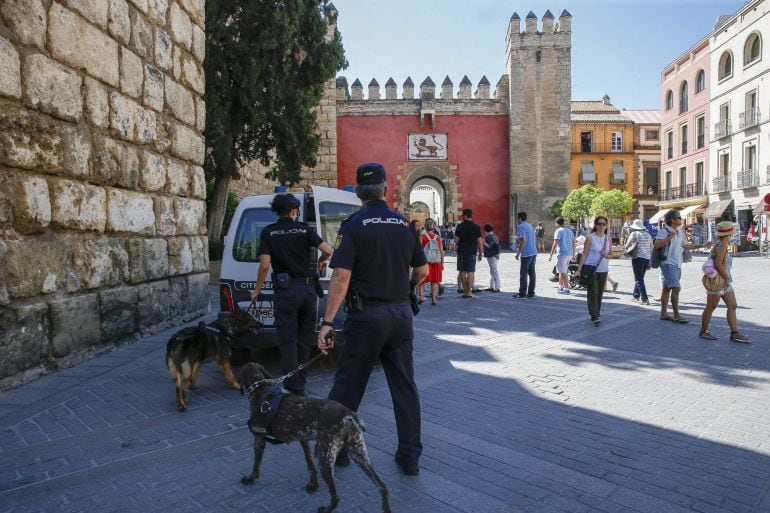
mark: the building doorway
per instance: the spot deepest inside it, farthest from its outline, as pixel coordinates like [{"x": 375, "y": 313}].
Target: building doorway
[{"x": 428, "y": 192}]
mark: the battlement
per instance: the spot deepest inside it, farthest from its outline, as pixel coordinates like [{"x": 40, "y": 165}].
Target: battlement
[
  {"x": 427, "y": 90},
  {"x": 550, "y": 32}
]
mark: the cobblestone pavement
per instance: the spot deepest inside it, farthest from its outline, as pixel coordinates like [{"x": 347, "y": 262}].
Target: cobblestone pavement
[{"x": 527, "y": 407}]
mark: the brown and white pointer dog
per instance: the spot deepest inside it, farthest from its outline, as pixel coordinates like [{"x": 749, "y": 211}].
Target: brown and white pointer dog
[
  {"x": 190, "y": 348},
  {"x": 304, "y": 418}
]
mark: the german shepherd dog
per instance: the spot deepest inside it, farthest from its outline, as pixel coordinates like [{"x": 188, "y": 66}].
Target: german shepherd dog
[
  {"x": 190, "y": 348},
  {"x": 303, "y": 418}
]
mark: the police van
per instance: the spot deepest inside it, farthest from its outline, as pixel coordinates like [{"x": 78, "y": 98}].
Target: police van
[{"x": 323, "y": 209}]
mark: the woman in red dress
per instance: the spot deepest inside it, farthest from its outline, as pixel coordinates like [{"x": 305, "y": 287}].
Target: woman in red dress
[{"x": 434, "y": 252}]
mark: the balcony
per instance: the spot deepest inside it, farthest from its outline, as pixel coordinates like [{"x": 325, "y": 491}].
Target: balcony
[
  {"x": 749, "y": 118},
  {"x": 722, "y": 129},
  {"x": 721, "y": 184},
  {"x": 651, "y": 189},
  {"x": 748, "y": 178},
  {"x": 691, "y": 190},
  {"x": 601, "y": 148}
]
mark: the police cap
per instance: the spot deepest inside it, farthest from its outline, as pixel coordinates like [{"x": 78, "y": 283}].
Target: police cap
[
  {"x": 283, "y": 204},
  {"x": 371, "y": 173}
]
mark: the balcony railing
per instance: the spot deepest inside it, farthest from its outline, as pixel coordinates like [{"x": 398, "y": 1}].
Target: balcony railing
[
  {"x": 748, "y": 178},
  {"x": 690, "y": 190},
  {"x": 749, "y": 118},
  {"x": 601, "y": 148},
  {"x": 721, "y": 184},
  {"x": 701, "y": 140},
  {"x": 722, "y": 129}
]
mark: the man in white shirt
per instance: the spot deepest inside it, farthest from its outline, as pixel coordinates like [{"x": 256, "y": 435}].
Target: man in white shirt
[{"x": 563, "y": 242}]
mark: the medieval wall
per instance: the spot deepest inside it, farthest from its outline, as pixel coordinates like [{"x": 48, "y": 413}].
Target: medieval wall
[
  {"x": 539, "y": 67},
  {"x": 102, "y": 197}
]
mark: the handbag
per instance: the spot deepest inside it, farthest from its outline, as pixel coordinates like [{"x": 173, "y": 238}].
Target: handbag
[
  {"x": 715, "y": 283},
  {"x": 631, "y": 251},
  {"x": 588, "y": 270}
]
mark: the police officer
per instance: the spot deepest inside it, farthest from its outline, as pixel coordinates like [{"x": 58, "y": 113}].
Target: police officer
[
  {"x": 375, "y": 250},
  {"x": 286, "y": 245}
]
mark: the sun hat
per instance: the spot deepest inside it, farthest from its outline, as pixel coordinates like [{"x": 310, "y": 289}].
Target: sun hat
[
  {"x": 725, "y": 228},
  {"x": 637, "y": 225}
]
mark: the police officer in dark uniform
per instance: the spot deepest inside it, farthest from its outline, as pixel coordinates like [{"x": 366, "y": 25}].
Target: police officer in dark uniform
[
  {"x": 375, "y": 250},
  {"x": 286, "y": 245}
]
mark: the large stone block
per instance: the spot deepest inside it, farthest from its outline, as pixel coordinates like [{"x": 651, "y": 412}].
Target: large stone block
[
  {"x": 10, "y": 70},
  {"x": 29, "y": 201},
  {"x": 108, "y": 161},
  {"x": 157, "y": 11},
  {"x": 96, "y": 11},
  {"x": 200, "y": 114},
  {"x": 181, "y": 27},
  {"x": 36, "y": 265},
  {"x": 78, "y": 44},
  {"x": 165, "y": 218},
  {"x": 177, "y": 178},
  {"x": 74, "y": 324},
  {"x": 26, "y": 19},
  {"x": 153, "y": 304},
  {"x": 78, "y": 206},
  {"x": 200, "y": 254},
  {"x": 28, "y": 140},
  {"x": 141, "y": 5},
  {"x": 197, "y": 182},
  {"x": 198, "y": 292},
  {"x": 141, "y": 35},
  {"x": 119, "y": 21},
  {"x": 199, "y": 43},
  {"x": 180, "y": 256},
  {"x": 23, "y": 338},
  {"x": 190, "y": 216},
  {"x": 152, "y": 171},
  {"x": 131, "y": 73},
  {"x": 186, "y": 144},
  {"x": 52, "y": 88},
  {"x": 131, "y": 121},
  {"x": 97, "y": 104},
  {"x": 196, "y": 9},
  {"x": 181, "y": 102},
  {"x": 130, "y": 212},
  {"x": 100, "y": 262},
  {"x": 76, "y": 144},
  {"x": 163, "y": 50},
  {"x": 192, "y": 72},
  {"x": 148, "y": 259},
  {"x": 130, "y": 168},
  {"x": 178, "y": 302},
  {"x": 153, "y": 88},
  {"x": 118, "y": 310}
]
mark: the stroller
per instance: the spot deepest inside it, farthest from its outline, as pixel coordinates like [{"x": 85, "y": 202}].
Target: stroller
[{"x": 572, "y": 275}]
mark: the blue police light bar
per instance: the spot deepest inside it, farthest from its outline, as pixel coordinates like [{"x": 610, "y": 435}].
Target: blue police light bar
[
  {"x": 279, "y": 188},
  {"x": 349, "y": 188}
]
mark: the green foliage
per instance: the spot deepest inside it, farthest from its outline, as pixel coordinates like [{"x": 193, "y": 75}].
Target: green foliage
[
  {"x": 555, "y": 209},
  {"x": 216, "y": 246},
  {"x": 612, "y": 204},
  {"x": 578, "y": 203},
  {"x": 266, "y": 65}
]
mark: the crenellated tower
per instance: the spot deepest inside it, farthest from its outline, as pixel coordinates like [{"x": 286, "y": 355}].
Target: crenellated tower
[{"x": 539, "y": 73}]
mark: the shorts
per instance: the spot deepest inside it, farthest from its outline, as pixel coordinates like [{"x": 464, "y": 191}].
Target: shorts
[
  {"x": 466, "y": 263},
  {"x": 562, "y": 264},
  {"x": 670, "y": 276}
]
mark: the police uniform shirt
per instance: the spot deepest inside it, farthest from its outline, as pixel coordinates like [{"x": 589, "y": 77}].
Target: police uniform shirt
[
  {"x": 287, "y": 242},
  {"x": 376, "y": 245}
]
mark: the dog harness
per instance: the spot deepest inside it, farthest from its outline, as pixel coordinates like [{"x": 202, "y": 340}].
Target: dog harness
[{"x": 266, "y": 407}]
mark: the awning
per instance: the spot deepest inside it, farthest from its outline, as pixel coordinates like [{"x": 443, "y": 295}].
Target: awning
[
  {"x": 655, "y": 218},
  {"x": 618, "y": 175},
  {"x": 760, "y": 208},
  {"x": 686, "y": 211},
  {"x": 587, "y": 173},
  {"x": 716, "y": 208}
]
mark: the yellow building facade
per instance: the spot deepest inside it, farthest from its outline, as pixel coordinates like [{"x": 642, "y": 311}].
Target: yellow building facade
[{"x": 602, "y": 146}]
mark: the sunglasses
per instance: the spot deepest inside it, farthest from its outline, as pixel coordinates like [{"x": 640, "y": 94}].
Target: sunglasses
[{"x": 601, "y": 224}]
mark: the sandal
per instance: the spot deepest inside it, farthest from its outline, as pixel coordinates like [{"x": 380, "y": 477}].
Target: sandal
[
  {"x": 666, "y": 318},
  {"x": 736, "y": 336},
  {"x": 707, "y": 335},
  {"x": 679, "y": 320}
]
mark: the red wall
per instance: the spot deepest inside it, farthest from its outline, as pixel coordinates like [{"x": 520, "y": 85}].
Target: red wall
[{"x": 478, "y": 146}]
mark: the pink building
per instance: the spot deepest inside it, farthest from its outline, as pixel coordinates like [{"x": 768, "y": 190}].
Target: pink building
[{"x": 684, "y": 133}]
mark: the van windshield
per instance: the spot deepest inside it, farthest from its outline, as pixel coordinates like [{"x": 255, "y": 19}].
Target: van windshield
[
  {"x": 332, "y": 215},
  {"x": 246, "y": 243}
]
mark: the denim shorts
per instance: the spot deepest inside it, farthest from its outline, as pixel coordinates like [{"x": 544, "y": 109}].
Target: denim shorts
[
  {"x": 466, "y": 263},
  {"x": 670, "y": 276}
]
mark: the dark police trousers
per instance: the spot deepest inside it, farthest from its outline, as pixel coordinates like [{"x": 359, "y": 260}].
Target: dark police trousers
[
  {"x": 386, "y": 332},
  {"x": 295, "y": 315}
]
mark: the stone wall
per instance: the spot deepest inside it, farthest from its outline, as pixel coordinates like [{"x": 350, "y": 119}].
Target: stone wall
[{"x": 102, "y": 194}]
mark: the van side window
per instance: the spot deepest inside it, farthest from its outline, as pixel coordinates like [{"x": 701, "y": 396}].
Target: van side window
[
  {"x": 332, "y": 215},
  {"x": 246, "y": 243}
]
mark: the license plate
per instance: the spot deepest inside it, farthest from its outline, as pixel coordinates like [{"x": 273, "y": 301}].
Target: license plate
[{"x": 265, "y": 316}]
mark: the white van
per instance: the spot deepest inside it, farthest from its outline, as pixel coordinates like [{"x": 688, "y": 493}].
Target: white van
[{"x": 323, "y": 209}]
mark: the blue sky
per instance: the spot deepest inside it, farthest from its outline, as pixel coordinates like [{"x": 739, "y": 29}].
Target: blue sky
[{"x": 619, "y": 47}]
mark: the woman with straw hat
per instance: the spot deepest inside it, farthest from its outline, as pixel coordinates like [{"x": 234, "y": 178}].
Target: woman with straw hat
[{"x": 720, "y": 286}]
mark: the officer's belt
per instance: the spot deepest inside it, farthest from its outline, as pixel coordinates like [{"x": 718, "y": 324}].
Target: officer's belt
[
  {"x": 380, "y": 302},
  {"x": 307, "y": 280},
  {"x": 261, "y": 421}
]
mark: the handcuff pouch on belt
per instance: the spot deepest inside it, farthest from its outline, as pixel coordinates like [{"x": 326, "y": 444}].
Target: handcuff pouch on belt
[
  {"x": 281, "y": 281},
  {"x": 263, "y": 413},
  {"x": 354, "y": 301}
]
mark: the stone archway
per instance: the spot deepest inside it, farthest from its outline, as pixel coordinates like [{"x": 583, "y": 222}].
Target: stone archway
[{"x": 441, "y": 176}]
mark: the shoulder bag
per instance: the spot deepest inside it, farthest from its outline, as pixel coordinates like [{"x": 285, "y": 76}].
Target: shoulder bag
[
  {"x": 630, "y": 252},
  {"x": 588, "y": 270}
]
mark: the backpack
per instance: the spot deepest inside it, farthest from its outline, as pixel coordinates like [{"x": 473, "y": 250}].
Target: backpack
[
  {"x": 432, "y": 251},
  {"x": 659, "y": 255}
]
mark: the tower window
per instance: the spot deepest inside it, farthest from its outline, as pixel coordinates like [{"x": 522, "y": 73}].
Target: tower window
[{"x": 538, "y": 55}]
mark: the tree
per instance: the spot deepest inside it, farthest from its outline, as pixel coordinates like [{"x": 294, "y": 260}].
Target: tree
[
  {"x": 577, "y": 204},
  {"x": 555, "y": 209},
  {"x": 266, "y": 66},
  {"x": 612, "y": 204}
]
